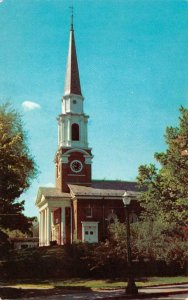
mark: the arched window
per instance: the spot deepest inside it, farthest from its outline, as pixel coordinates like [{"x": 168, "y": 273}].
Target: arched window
[
  {"x": 75, "y": 132},
  {"x": 112, "y": 217},
  {"x": 133, "y": 217}
]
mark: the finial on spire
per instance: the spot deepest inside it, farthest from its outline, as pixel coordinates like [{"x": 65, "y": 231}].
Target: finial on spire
[{"x": 72, "y": 16}]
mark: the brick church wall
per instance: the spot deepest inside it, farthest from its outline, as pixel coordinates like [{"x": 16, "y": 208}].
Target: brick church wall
[{"x": 102, "y": 209}]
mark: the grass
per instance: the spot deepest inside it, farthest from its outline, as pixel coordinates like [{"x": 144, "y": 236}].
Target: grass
[
  {"x": 93, "y": 284},
  {"x": 39, "y": 288}
]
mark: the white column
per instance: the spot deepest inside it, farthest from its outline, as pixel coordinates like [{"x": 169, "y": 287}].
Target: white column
[
  {"x": 83, "y": 233},
  {"x": 41, "y": 237},
  {"x": 66, "y": 131},
  {"x": 63, "y": 132},
  {"x": 63, "y": 236},
  {"x": 45, "y": 226},
  {"x": 69, "y": 131},
  {"x": 39, "y": 229},
  {"x": 86, "y": 137},
  {"x": 80, "y": 123},
  {"x": 84, "y": 132},
  {"x": 52, "y": 227},
  {"x": 58, "y": 131},
  {"x": 48, "y": 226}
]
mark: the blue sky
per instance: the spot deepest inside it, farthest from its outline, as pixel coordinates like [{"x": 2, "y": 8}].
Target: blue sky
[{"x": 133, "y": 61}]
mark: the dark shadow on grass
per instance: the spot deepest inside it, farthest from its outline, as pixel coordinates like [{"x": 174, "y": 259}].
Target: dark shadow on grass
[{"x": 11, "y": 293}]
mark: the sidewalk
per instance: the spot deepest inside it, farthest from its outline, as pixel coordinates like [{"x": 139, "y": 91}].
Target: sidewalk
[
  {"x": 151, "y": 292},
  {"x": 167, "y": 289},
  {"x": 148, "y": 293}
]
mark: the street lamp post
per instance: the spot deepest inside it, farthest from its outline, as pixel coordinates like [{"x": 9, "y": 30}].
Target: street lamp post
[{"x": 131, "y": 288}]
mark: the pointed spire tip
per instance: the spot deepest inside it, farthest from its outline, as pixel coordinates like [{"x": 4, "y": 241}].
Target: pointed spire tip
[
  {"x": 72, "y": 78},
  {"x": 72, "y": 17}
]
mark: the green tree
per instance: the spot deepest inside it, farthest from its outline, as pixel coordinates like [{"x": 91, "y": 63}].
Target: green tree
[
  {"x": 162, "y": 232},
  {"x": 167, "y": 188},
  {"x": 17, "y": 169},
  {"x": 165, "y": 200},
  {"x": 150, "y": 239}
]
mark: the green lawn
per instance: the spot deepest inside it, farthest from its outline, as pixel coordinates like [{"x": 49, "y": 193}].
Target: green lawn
[{"x": 92, "y": 284}]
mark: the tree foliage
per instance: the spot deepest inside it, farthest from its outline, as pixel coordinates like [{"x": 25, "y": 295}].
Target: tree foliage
[
  {"x": 162, "y": 232},
  {"x": 150, "y": 240},
  {"x": 17, "y": 169},
  {"x": 167, "y": 188},
  {"x": 165, "y": 200}
]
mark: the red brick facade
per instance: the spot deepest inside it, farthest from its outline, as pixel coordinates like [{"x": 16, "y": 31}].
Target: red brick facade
[
  {"x": 104, "y": 211},
  {"x": 64, "y": 174},
  {"x": 57, "y": 225}
]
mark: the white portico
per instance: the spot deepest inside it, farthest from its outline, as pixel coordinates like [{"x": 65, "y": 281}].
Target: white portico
[{"x": 53, "y": 206}]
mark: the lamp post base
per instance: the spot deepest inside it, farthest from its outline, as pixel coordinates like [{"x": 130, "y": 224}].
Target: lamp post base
[{"x": 131, "y": 288}]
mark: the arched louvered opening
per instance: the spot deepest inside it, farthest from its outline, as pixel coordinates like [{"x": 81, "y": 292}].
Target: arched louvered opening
[{"x": 75, "y": 132}]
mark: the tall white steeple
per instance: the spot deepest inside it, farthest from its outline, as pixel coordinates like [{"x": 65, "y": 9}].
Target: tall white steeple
[{"x": 72, "y": 121}]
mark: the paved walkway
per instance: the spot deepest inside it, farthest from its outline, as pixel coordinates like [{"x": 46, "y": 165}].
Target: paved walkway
[
  {"x": 167, "y": 288},
  {"x": 159, "y": 292}
]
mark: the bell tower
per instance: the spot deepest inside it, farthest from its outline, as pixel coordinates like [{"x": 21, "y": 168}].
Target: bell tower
[{"x": 73, "y": 158}]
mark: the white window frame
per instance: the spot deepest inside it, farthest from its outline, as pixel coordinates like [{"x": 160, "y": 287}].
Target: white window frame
[{"x": 91, "y": 211}]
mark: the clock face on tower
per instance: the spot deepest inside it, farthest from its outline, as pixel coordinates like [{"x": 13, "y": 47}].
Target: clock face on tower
[{"x": 76, "y": 166}]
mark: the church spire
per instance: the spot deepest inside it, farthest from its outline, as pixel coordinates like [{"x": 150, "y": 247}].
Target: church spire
[{"x": 72, "y": 79}]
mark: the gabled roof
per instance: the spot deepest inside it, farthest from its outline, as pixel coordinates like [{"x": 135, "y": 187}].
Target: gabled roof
[
  {"x": 50, "y": 192},
  {"x": 107, "y": 188},
  {"x": 98, "y": 189},
  {"x": 116, "y": 185}
]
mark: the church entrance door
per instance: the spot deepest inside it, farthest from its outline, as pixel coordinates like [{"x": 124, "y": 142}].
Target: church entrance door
[{"x": 90, "y": 232}]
